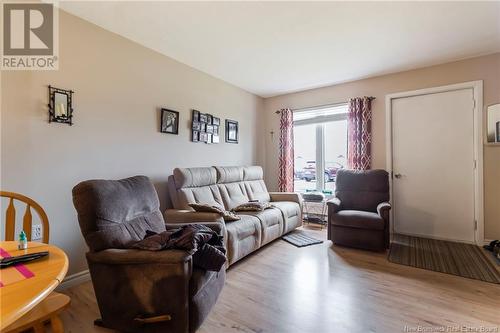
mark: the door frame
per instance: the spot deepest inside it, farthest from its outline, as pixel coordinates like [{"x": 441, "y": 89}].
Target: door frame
[{"x": 477, "y": 89}]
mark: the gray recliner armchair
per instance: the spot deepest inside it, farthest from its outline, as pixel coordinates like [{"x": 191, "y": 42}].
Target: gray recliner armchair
[
  {"x": 137, "y": 290},
  {"x": 358, "y": 216}
]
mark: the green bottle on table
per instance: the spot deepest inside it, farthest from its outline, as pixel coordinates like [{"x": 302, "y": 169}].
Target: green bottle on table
[{"x": 23, "y": 242}]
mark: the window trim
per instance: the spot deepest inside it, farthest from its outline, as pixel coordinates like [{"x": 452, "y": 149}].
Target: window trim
[
  {"x": 321, "y": 119},
  {"x": 319, "y": 107},
  {"x": 320, "y": 157}
]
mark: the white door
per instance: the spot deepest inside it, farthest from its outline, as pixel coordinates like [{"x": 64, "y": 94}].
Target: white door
[{"x": 433, "y": 165}]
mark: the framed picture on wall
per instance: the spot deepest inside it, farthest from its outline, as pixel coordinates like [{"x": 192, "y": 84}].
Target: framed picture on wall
[
  {"x": 202, "y": 118},
  {"x": 231, "y": 131},
  {"x": 196, "y": 126},
  {"x": 196, "y": 115},
  {"x": 216, "y": 121},
  {"x": 169, "y": 121},
  {"x": 195, "y": 136}
]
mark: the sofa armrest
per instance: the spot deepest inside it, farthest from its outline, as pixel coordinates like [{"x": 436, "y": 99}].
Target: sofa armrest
[
  {"x": 383, "y": 210},
  {"x": 133, "y": 287},
  {"x": 286, "y": 196},
  {"x": 188, "y": 216},
  {"x": 133, "y": 256},
  {"x": 334, "y": 205}
]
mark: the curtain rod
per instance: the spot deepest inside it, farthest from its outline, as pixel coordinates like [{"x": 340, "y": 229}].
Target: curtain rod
[{"x": 323, "y": 105}]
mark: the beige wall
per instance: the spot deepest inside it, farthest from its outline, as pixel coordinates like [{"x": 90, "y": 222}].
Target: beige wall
[
  {"x": 485, "y": 68},
  {"x": 119, "y": 86}
]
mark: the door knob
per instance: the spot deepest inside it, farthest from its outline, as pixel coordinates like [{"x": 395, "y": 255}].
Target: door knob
[{"x": 398, "y": 175}]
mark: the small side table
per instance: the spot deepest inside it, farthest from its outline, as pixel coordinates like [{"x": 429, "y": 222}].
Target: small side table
[{"x": 314, "y": 208}]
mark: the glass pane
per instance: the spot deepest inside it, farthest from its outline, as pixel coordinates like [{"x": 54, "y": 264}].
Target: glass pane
[
  {"x": 335, "y": 151},
  {"x": 61, "y": 105},
  {"x": 320, "y": 112},
  {"x": 305, "y": 157}
]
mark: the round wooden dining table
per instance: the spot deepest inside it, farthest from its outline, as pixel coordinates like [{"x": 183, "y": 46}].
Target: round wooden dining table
[{"x": 17, "y": 298}]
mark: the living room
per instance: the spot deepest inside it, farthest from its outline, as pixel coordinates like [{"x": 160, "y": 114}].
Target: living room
[{"x": 282, "y": 130}]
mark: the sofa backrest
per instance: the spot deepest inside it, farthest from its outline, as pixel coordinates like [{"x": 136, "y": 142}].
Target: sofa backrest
[
  {"x": 117, "y": 213},
  {"x": 254, "y": 182},
  {"x": 231, "y": 186},
  {"x": 362, "y": 190},
  {"x": 224, "y": 186},
  {"x": 194, "y": 185}
]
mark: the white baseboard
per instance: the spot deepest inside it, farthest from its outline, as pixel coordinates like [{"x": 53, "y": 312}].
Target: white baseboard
[
  {"x": 487, "y": 241},
  {"x": 74, "y": 279}
]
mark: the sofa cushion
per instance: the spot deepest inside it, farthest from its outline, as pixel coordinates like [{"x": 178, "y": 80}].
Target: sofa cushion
[
  {"x": 230, "y": 216},
  {"x": 268, "y": 217},
  {"x": 292, "y": 214},
  {"x": 291, "y": 223},
  {"x": 203, "y": 207},
  {"x": 253, "y": 173},
  {"x": 252, "y": 207},
  {"x": 194, "y": 177},
  {"x": 229, "y": 174},
  {"x": 207, "y": 195},
  {"x": 289, "y": 208},
  {"x": 358, "y": 219},
  {"x": 257, "y": 190},
  {"x": 245, "y": 227},
  {"x": 117, "y": 213},
  {"x": 233, "y": 194},
  {"x": 243, "y": 237},
  {"x": 271, "y": 222}
]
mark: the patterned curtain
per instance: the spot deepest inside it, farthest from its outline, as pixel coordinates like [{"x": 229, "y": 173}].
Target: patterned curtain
[
  {"x": 286, "y": 160},
  {"x": 359, "y": 133}
]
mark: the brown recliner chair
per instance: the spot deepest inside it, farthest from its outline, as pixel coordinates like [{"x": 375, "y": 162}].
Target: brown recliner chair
[
  {"x": 136, "y": 290},
  {"x": 358, "y": 216}
]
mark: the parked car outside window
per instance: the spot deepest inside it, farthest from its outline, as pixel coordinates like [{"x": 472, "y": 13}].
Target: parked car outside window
[{"x": 308, "y": 173}]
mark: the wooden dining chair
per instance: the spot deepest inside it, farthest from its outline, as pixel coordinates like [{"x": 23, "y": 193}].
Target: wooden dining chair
[{"x": 47, "y": 310}]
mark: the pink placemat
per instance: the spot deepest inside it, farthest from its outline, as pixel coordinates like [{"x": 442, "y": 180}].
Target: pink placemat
[{"x": 13, "y": 274}]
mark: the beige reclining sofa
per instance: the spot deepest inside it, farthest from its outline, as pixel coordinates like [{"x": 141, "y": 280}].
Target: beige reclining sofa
[{"x": 229, "y": 187}]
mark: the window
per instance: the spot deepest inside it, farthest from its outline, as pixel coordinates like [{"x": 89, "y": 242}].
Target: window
[{"x": 320, "y": 147}]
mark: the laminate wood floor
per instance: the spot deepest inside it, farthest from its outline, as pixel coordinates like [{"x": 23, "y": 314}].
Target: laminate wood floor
[{"x": 321, "y": 288}]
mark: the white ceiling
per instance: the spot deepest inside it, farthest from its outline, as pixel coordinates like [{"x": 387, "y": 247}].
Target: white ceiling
[{"x": 271, "y": 48}]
